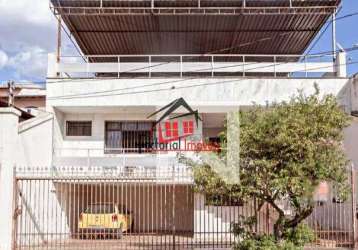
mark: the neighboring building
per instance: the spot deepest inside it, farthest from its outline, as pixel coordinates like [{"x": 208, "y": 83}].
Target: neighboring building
[
  {"x": 24, "y": 114},
  {"x": 138, "y": 57},
  {"x": 29, "y": 97}
]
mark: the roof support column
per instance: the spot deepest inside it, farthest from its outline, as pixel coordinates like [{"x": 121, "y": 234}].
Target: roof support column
[
  {"x": 336, "y": 63},
  {"x": 59, "y": 39},
  {"x": 334, "y": 39}
]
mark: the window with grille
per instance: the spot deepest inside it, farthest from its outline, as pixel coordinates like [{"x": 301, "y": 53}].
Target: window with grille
[
  {"x": 128, "y": 137},
  {"x": 78, "y": 128}
]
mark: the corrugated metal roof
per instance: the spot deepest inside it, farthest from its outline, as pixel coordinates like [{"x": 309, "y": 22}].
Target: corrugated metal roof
[
  {"x": 193, "y": 3},
  {"x": 109, "y": 34}
]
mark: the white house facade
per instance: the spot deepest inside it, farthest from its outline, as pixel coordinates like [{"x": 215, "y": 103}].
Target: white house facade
[{"x": 137, "y": 57}]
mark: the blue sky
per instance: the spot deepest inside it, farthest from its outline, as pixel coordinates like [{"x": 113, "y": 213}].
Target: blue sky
[
  {"x": 347, "y": 33},
  {"x": 28, "y": 34}
]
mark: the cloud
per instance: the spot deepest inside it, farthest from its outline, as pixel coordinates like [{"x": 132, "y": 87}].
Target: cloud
[
  {"x": 30, "y": 32},
  {"x": 30, "y": 62},
  {"x": 36, "y": 12},
  {"x": 3, "y": 59}
]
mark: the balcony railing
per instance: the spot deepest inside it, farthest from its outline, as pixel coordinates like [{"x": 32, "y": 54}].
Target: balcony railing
[
  {"x": 99, "y": 157},
  {"x": 99, "y": 173},
  {"x": 217, "y": 65}
]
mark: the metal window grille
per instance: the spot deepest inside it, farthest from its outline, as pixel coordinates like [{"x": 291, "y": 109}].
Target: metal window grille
[
  {"x": 128, "y": 137},
  {"x": 78, "y": 128}
]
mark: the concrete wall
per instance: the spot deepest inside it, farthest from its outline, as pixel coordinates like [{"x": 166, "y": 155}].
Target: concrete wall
[
  {"x": 34, "y": 142},
  {"x": 97, "y": 140},
  {"x": 354, "y": 93},
  {"x": 113, "y": 100},
  {"x": 209, "y": 95},
  {"x": 9, "y": 118},
  {"x": 351, "y": 142}
]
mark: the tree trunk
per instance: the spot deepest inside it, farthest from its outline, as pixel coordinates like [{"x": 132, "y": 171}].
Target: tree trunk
[{"x": 279, "y": 227}]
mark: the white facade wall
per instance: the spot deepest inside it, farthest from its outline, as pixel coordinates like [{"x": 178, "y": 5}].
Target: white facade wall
[
  {"x": 37, "y": 139},
  {"x": 96, "y": 141},
  {"x": 8, "y": 132},
  {"x": 210, "y": 94},
  {"x": 34, "y": 142},
  {"x": 100, "y": 100}
]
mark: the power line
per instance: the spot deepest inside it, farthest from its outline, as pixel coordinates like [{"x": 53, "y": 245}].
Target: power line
[
  {"x": 220, "y": 50},
  {"x": 157, "y": 65},
  {"x": 186, "y": 79},
  {"x": 206, "y": 54},
  {"x": 326, "y": 28},
  {"x": 321, "y": 34},
  {"x": 179, "y": 87},
  {"x": 176, "y": 81},
  {"x": 240, "y": 45},
  {"x": 167, "y": 82}
]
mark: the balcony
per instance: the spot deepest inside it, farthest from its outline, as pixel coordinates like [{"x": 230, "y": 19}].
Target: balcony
[
  {"x": 94, "y": 165},
  {"x": 215, "y": 65}
]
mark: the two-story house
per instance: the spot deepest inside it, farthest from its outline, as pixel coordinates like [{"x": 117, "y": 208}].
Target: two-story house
[{"x": 138, "y": 58}]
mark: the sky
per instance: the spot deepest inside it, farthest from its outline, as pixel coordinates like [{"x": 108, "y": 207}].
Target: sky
[{"x": 28, "y": 34}]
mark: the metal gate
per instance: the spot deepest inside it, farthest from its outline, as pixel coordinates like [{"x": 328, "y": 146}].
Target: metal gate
[
  {"x": 161, "y": 212},
  {"x": 149, "y": 210}
]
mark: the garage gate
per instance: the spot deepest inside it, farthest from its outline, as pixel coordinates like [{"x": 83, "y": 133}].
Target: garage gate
[{"x": 166, "y": 214}]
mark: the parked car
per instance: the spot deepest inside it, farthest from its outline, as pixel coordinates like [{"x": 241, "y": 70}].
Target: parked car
[{"x": 104, "y": 219}]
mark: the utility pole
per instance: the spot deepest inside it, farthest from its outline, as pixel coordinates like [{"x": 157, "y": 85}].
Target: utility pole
[{"x": 11, "y": 91}]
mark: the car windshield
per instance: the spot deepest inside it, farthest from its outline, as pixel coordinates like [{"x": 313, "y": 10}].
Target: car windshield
[{"x": 100, "y": 209}]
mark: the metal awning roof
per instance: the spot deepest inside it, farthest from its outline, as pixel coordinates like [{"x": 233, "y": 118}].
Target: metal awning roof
[{"x": 111, "y": 27}]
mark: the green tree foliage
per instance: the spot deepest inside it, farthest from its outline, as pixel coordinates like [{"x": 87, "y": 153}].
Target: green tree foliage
[{"x": 286, "y": 150}]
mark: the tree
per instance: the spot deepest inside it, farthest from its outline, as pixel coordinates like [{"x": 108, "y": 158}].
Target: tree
[{"x": 286, "y": 151}]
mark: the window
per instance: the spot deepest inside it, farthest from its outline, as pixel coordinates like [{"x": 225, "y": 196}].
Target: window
[
  {"x": 100, "y": 209},
  {"x": 128, "y": 137},
  {"x": 78, "y": 128}
]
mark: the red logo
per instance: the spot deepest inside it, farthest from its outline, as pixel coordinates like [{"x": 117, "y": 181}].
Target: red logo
[
  {"x": 173, "y": 130},
  {"x": 170, "y": 127}
]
